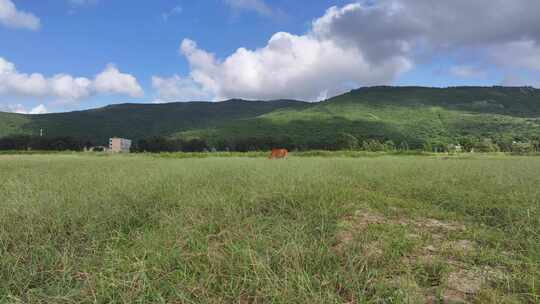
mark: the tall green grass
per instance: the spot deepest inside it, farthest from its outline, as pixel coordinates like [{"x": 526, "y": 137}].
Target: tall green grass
[{"x": 143, "y": 229}]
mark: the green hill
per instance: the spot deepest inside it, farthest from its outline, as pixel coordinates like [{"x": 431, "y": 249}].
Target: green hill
[
  {"x": 412, "y": 114},
  {"x": 139, "y": 120}
]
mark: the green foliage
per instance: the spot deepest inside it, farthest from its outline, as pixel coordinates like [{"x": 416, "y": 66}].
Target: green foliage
[
  {"x": 163, "y": 144},
  {"x": 485, "y": 145},
  {"x": 346, "y": 141},
  {"x": 138, "y": 121},
  {"x": 24, "y": 142},
  {"x": 377, "y": 146},
  {"x": 523, "y": 148}
]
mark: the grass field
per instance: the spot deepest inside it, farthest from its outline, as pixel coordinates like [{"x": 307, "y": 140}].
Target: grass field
[{"x": 391, "y": 229}]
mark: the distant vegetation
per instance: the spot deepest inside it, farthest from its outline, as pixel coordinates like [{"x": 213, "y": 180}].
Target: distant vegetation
[
  {"x": 26, "y": 143},
  {"x": 376, "y": 118},
  {"x": 342, "y": 142},
  {"x": 137, "y": 121}
]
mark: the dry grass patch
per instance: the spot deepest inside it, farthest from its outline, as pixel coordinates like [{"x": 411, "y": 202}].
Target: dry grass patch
[{"x": 434, "y": 269}]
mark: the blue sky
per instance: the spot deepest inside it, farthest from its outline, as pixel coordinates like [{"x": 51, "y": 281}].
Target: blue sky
[{"x": 90, "y": 53}]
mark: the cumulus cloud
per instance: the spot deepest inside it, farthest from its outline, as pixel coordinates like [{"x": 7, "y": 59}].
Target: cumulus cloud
[
  {"x": 310, "y": 66},
  {"x": 63, "y": 86},
  {"x": 111, "y": 80},
  {"x": 389, "y": 28},
  {"x": 177, "y": 88},
  {"x": 367, "y": 43},
  {"x": 10, "y": 16},
  {"x": 40, "y": 109},
  {"x": 289, "y": 66}
]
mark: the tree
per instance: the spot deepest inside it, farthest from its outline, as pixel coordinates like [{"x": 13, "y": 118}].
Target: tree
[
  {"x": 436, "y": 146},
  {"x": 24, "y": 142},
  {"x": 536, "y": 145},
  {"x": 346, "y": 141},
  {"x": 504, "y": 142},
  {"x": 522, "y": 148},
  {"x": 194, "y": 145},
  {"x": 468, "y": 142},
  {"x": 486, "y": 145},
  {"x": 373, "y": 145},
  {"x": 403, "y": 146},
  {"x": 389, "y": 145},
  {"x": 158, "y": 144}
]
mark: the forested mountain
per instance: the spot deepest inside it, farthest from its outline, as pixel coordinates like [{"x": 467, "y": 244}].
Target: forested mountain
[{"x": 414, "y": 115}]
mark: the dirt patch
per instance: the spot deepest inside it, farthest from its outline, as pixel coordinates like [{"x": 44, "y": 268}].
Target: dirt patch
[
  {"x": 353, "y": 225},
  {"x": 470, "y": 281},
  {"x": 443, "y": 278},
  {"x": 362, "y": 219},
  {"x": 413, "y": 292},
  {"x": 433, "y": 224},
  {"x": 463, "y": 246},
  {"x": 447, "y": 297},
  {"x": 465, "y": 281}
]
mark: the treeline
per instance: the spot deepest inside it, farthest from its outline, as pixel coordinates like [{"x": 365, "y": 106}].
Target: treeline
[
  {"x": 163, "y": 144},
  {"x": 24, "y": 142},
  {"x": 475, "y": 144},
  {"x": 342, "y": 141}
]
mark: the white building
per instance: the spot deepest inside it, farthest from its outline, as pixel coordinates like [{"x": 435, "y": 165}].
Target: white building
[
  {"x": 457, "y": 148},
  {"x": 119, "y": 145}
]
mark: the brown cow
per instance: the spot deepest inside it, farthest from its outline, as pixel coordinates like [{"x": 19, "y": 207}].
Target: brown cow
[{"x": 278, "y": 153}]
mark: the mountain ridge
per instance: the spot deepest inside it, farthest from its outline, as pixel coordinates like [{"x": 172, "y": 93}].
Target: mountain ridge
[{"x": 402, "y": 113}]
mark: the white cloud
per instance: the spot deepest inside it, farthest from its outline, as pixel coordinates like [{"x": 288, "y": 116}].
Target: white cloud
[
  {"x": 69, "y": 88},
  {"x": 40, "y": 109},
  {"x": 305, "y": 67},
  {"x": 63, "y": 86},
  {"x": 12, "y": 82},
  {"x": 10, "y": 16},
  {"x": 467, "y": 71},
  {"x": 370, "y": 43},
  {"x": 113, "y": 81},
  {"x": 177, "y": 10},
  {"x": 176, "y": 88},
  {"x": 416, "y": 28},
  {"x": 20, "y": 109},
  {"x": 289, "y": 66}
]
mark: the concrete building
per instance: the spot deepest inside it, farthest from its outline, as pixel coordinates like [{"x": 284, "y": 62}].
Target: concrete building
[{"x": 119, "y": 145}]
